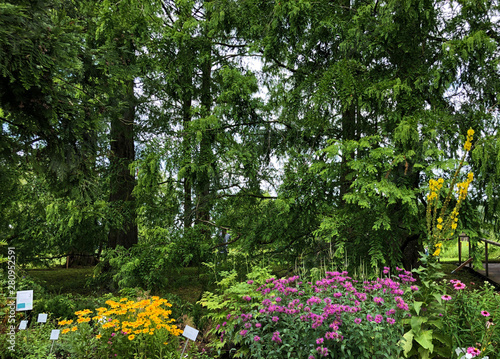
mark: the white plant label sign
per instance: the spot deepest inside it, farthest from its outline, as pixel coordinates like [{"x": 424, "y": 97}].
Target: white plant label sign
[
  {"x": 190, "y": 333},
  {"x": 54, "y": 334},
  {"x": 24, "y": 300}
]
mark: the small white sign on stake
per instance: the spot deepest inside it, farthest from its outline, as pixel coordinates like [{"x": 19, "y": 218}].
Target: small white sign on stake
[
  {"x": 191, "y": 334},
  {"x": 23, "y": 325},
  {"x": 54, "y": 335},
  {"x": 42, "y": 318},
  {"x": 24, "y": 300}
]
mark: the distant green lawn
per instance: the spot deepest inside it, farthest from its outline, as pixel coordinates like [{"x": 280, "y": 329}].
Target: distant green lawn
[
  {"x": 450, "y": 251},
  {"x": 60, "y": 280}
]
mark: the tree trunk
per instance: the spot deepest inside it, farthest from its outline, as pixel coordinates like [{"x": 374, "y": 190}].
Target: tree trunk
[
  {"x": 206, "y": 155},
  {"x": 122, "y": 181},
  {"x": 348, "y": 133},
  {"x": 186, "y": 82}
]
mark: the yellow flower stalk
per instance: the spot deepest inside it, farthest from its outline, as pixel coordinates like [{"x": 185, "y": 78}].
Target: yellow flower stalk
[{"x": 441, "y": 226}]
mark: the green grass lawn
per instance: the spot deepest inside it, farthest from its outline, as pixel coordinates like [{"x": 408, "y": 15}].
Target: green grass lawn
[
  {"x": 450, "y": 251},
  {"x": 186, "y": 285},
  {"x": 62, "y": 280}
]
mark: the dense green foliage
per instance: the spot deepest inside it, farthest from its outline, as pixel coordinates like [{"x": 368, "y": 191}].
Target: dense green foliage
[{"x": 307, "y": 131}]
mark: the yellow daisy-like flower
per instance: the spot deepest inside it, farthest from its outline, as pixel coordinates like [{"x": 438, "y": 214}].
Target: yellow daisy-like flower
[
  {"x": 131, "y": 337},
  {"x": 98, "y": 336},
  {"x": 440, "y": 220},
  {"x": 62, "y": 322},
  {"x": 439, "y": 226},
  {"x": 74, "y": 329},
  {"x": 64, "y": 331}
]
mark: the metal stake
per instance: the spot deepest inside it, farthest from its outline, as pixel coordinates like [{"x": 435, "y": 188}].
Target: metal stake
[{"x": 187, "y": 341}]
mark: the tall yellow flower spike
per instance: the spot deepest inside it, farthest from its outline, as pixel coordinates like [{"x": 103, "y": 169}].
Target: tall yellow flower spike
[{"x": 441, "y": 227}]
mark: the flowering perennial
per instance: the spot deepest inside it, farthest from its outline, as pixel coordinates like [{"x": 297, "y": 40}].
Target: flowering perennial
[
  {"x": 134, "y": 321},
  {"x": 441, "y": 226},
  {"x": 330, "y": 309}
]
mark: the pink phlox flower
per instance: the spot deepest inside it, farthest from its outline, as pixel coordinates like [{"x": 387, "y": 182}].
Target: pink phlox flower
[
  {"x": 276, "y": 337},
  {"x": 378, "y": 300},
  {"x": 390, "y": 312}
]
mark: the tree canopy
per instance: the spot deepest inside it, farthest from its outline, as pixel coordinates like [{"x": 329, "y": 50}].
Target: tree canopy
[{"x": 307, "y": 130}]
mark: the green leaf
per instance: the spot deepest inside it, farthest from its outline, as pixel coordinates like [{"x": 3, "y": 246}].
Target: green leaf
[
  {"x": 417, "y": 306},
  {"x": 407, "y": 342},
  {"x": 424, "y": 338}
]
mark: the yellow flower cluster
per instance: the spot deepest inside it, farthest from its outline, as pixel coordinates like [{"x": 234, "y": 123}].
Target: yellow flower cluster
[
  {"x": 468, "y": 143},
  {"x": 434, "y": 188},
  {"x": 442, "y": 227},
  {"x": 130, "y": 317},
  {"x": 438, "y": 249}
]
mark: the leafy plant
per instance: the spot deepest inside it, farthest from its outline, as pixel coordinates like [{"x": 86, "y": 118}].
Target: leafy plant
[
  {"x": 335, "y": 316},
  {"x": 446, "y": 318}
]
